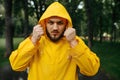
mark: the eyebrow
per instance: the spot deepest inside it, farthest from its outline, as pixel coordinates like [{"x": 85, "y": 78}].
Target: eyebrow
[
  {"x": 59, "y": 21},
  {"x": 49, "y": 20}
]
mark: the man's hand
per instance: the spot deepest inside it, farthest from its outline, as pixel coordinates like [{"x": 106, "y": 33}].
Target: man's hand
[
  {"x": 37, "y": 33},
  {"x": 70, "y": 34}
]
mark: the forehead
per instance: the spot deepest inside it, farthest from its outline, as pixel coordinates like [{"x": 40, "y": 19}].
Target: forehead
[{"x": 56, "y": 18}]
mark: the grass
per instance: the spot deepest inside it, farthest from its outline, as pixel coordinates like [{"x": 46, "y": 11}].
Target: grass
[
  {"x": 4, "y": 60},
  {"x": 109, "y": 54}
]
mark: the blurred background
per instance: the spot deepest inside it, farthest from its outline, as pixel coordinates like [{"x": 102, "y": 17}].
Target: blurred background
[{"x": 97, "y": 22}]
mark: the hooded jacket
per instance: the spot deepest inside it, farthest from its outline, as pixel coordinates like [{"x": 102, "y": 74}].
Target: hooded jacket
[{"x": 54, "y": 60}]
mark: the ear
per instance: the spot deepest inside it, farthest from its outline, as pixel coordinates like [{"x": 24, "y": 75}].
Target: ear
[{"x": 66, "y": 24}]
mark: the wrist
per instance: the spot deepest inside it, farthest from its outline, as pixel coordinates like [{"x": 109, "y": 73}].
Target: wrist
[
  {"x": 73, "y": 43},
  {"x": 34, "y": 41}
]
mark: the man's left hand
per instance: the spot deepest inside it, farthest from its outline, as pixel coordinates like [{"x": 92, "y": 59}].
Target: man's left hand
[{"x": 70, "y": 34}]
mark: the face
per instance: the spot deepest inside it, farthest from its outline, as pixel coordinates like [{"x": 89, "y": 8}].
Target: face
[{"x": 55, "y": 27}]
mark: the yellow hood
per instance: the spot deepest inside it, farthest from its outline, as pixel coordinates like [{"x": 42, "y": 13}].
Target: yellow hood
[{"x": 55, "y": 9}]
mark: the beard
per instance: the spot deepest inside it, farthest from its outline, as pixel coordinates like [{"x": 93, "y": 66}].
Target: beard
[{"x": 54, "y": 39}]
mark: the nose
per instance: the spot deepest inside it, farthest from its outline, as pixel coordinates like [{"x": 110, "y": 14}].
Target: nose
[{"x": 55, "y": 26}]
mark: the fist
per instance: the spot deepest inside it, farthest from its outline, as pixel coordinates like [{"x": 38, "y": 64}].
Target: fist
[
  {"x": 70, "y": 34},
  {"x": 37, "y": 33}
]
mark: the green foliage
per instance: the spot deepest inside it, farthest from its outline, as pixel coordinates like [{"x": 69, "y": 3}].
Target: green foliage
[
  {"x": 103, "y": 11},
  {"x": 2, "y": 16},
  {"x": 75, "y": 13}
]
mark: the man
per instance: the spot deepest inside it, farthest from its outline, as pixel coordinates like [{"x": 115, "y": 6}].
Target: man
[{"x": 53, "y": 51}]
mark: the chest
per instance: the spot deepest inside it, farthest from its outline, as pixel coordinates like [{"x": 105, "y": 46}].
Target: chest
[{"x": 54, "y": 53}]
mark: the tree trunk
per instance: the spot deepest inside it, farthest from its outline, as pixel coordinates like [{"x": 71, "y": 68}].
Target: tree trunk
[
  {"x": 26, "y": 22},
  {"x": 101, "y": 31},
  {"x": 114, "y": 20},
  {"x": 9, "y": 27},
  {"x": 90, "y": 21},
  {"x": 100, "y": 21}
]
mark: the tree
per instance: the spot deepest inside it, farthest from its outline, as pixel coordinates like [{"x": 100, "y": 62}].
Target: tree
[
  {"x": 2, "y": 21},
  {"x": 9, "y": 27},
  {"x": 115, "y": 17},
  {"x": 39, "y": 7},
  {"x": 26, "y": 22},
  {"x": 89, "y": 14}
]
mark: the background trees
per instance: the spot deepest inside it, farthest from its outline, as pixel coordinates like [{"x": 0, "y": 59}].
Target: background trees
[
  {"x": 9, "y": 26},
  {"x": 91, "y": 18}
]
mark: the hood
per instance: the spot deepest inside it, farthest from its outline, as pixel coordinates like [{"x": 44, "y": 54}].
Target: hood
[{"x": 55, "y": 9}]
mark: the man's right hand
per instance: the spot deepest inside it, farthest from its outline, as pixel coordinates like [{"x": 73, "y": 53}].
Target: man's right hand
[{"x": 37, "y": 33}]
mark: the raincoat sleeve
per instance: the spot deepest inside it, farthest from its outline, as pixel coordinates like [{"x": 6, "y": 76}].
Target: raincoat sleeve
[
  {"x": 21, "y": 57},
  {"x": 86, "y": 60}
]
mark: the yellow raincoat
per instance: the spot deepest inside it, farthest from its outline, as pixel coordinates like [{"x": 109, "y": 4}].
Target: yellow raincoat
[{"x": 54, "y": 60}]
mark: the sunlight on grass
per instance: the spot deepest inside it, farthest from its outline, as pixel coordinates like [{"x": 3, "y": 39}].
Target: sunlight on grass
[
  {"x": 16, "y": 41},
  {"x": 2, "y": 42}
]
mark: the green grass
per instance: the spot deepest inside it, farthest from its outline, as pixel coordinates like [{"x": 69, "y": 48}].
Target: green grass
[
  {"x": 16, "y": 42},
  {"x": 4, "y": 60},
  {"x": 109, "y": 54},
  {"x": 2, "y": 51}
]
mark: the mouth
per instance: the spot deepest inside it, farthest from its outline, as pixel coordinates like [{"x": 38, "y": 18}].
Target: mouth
[{"x": 54, "y": 32}]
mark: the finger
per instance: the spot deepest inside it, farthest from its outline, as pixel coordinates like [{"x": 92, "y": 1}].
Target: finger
[
  {"x": 38, "y": 25},
  {"x": 68, "y": 31}
]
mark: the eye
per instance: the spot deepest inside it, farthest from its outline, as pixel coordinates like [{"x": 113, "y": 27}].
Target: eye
[
  {"x": 50, "y": 22},
  {"x": 60, "y": 23}
]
